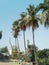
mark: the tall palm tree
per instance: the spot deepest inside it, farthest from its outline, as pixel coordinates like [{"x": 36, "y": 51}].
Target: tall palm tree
[
  {"x": 45, "y": 12},
  {"x": 45, "y": 19},
  {"x": 32, "y": 21},
  {"x": 23, "y": 26},
  {"x": 16, "y": 30},
  {"x": 0, "y": 34},
  {"x": 44, "y": 6}
]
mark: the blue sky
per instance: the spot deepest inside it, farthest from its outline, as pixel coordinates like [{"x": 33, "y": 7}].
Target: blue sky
[{"x": 10, "y": 11}]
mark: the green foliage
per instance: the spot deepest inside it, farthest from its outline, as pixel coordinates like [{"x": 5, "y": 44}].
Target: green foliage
[
  {"x": 46, "y": 1},
  {"x": 16, "y": 55},
  {"x": 4, "y": 50},
  {"x": 27, "y": 58},
  {"x": 44, "y": 8},
  {"x": 31, "y": 47},
  {"x": 31, "y": 10},
  {"x": 16, "y": 28},
  {"x": 43, "y": 56},
  {"x": 43, "y": 53}
]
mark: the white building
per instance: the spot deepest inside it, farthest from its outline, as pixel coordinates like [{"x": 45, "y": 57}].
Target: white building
[{"x": 10, "y": 51}]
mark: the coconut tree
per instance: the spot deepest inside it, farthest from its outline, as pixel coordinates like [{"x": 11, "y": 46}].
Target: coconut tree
[
  {"x": 45, "y": 12},
  {"x": 44, "y": 6},
  {"x": 0, "y": 34},
  {"x": 16, "y": 30},
  {"x": 32, "y": 21},
  {"x": 45, "y": 19},
  {"x": 23, "y": 20}
]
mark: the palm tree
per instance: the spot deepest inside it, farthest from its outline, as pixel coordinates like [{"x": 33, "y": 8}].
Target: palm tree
[
  {"x": 16, "y": 30},
  {"x": 45, "y": 12},
  {"x": 0, "y": 34},
  {"x": 32, "y": 21},
  {"x": 44, "y": 6},
  {"x": 23, "y": 26}
]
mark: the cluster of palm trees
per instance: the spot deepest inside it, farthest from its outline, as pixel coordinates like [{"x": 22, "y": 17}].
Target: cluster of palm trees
[{"x": 31, "y": 18}]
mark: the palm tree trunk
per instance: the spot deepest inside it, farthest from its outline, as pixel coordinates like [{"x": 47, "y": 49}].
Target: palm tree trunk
[
  {"x": 33, "y": 36},
  {"x": 24, "y": 40},
  {"x": 34, "y": 63},
  {"x": 18, "y": 44},
  {"x": 10, "y": 44},
  {"x": 11, "y": 47},
  {"x": 15, "y": 45}
]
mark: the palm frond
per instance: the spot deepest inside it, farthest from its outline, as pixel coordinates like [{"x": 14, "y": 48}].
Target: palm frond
[
  {"x": 23, "y": 14},
  {"x": 43, "y": 17},
  {"x": 31, "y": 10}
]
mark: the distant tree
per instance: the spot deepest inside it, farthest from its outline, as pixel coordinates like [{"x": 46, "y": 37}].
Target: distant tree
[
  {"x": 16, "y": 30},
  {"x": 23, "y": 21},
  {"x": 0, "y": 34},
  {"x": 43, "y": 53},
  {"x": 14, "y": 52},
  {"x": 4, "y": 50},
  {"x": 33, "y": 22},
  {"x": 43, "y": 56}
]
